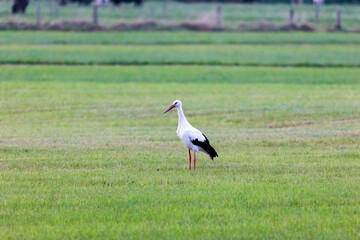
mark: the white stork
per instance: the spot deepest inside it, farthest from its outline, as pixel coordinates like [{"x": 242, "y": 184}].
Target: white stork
[{"x": 192, "y": 138}]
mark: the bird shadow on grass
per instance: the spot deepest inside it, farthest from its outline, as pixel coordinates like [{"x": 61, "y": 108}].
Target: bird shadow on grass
[{"x": 201, "y": 166}]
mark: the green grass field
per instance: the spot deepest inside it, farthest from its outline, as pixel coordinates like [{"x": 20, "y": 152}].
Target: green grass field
[
  {"x": 86, "y": 153},
  {"x": 174, "y": 38},
  {"x": 281, "y": 55}
]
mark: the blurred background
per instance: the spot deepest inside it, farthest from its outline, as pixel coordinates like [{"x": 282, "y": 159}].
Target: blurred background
[{"x": 231, "y": 15}]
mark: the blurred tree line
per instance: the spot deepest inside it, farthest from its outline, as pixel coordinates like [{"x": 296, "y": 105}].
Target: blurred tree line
[
  {"x": 19, "y": 6},
  {"x": 270, "y": 1}
]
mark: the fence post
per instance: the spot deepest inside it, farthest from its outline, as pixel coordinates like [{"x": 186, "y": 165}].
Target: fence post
[
  {"x": 338, "y": 20},
  {"x": 152, "y": 12},
  {"x": 292, "y": 16},
  {"x": 56, "y": 8},
  {"x": 218, "y": 16},
  {"x": 164, "y": 9},
  {"x": 95, "y": 14},
  {"x": 317, "y": 12},
  {"x": 38, "y": 14}
]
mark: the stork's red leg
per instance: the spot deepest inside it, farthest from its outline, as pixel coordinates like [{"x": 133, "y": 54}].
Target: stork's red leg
[
  {"x": 194, "y": 160},
  {"x": 189, "y": 160}
]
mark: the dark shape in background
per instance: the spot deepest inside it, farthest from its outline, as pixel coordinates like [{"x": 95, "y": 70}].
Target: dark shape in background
[
  {"x": 82, "y": 2},
  {"x": 19, "y": 6},
  {"x": 136, "y": 2},
  {"x": 88, "y": 2}
]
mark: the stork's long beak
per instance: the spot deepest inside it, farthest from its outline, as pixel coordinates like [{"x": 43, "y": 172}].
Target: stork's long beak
[{"x": 171, "y": 107}]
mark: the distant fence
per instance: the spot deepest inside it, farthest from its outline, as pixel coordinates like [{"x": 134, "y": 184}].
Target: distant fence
[{"x": 173, "y": 15}]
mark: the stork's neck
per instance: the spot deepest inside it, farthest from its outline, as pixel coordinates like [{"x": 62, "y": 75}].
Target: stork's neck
[{"x": 182, "y": 118}]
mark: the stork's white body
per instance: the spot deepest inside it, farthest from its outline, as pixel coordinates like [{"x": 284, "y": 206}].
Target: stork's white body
[{"x": 188, "y": 133}]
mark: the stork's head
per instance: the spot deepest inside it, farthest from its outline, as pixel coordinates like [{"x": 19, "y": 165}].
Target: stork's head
[{"x": 176, "y": 103}]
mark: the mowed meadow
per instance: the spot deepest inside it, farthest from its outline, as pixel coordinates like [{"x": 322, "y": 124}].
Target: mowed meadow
[{"x": 86, "y": 153}]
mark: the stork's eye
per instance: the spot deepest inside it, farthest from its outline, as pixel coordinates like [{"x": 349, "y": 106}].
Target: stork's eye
[{"x": 175, "y": 103}]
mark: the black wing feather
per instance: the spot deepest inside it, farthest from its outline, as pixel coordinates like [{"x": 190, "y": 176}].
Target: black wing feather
[{"x": 206, "y": 146}]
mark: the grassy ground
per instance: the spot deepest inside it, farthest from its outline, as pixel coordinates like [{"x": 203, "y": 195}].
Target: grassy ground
[
  {"x": 174, "y": 38},
  {"x": 171, "y": 48},
  {"x": 85, "y": 151},
  {"x": 232, "y": 14},
  {"x": 270, "y": 55}
]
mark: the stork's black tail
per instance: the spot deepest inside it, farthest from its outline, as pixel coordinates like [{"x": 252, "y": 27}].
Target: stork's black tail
[
  {"x": 206, "y": 146},
  {"x": 211, "y": 151}
]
